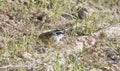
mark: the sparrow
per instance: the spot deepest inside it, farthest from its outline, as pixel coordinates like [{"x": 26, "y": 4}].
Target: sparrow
[{"x": 52, "y": 36}]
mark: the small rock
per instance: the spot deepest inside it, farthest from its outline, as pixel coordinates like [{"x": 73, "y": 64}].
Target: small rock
[
  {"x": 79, "y": 46},
  {"x": 27, "y": 56},
  {"x": 82, "y": 12},
  {"x": 94, "y": 69},
  {"x": 118, "y": 3},
  {"x": 113, "y": 31},
  {"x": 85, "y": 11},
  {"x": 42, "y": 16}
]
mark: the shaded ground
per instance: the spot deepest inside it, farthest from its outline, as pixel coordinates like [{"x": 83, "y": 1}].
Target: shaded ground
[{"x": 91, "y": 42}]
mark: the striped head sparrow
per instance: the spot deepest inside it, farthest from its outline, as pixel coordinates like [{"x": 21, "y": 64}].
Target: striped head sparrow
[{"x": 52, "y": 36}]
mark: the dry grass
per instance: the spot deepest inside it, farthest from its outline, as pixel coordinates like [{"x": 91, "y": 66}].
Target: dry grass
[{"x": 21, "y": 24}]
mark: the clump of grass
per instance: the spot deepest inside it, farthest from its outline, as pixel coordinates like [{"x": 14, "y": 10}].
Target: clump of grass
[
  {"x": 55, "y": 9},
  {"x": 57, "y": 66},
  {"x": 72, "y": 64},
  {"x": 1, "y": 3},
  {"x": 88, "y": 25}
]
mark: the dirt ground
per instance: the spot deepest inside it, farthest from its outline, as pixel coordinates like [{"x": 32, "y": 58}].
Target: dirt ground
[{"x": 91, "y": 41}]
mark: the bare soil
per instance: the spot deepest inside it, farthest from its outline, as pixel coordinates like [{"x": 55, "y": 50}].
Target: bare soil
[{"x": 97, "y": 49}]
